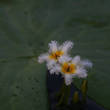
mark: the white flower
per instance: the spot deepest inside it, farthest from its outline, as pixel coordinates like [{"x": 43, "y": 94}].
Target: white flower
[
  {"x": 71, "y": 68},
  {"x": 55, "y": 52}
]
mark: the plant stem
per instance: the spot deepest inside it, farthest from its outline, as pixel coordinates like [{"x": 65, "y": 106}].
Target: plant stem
[{"x": 64, "y": 95}]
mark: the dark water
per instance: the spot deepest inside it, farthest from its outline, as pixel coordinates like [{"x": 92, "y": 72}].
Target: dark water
[{"x": 54, "y": 83}]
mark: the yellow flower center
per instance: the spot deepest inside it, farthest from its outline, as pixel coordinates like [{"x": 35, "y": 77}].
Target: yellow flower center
[
  {"x": 56, "y": 55},
  {"x": 68, "y": 68}
]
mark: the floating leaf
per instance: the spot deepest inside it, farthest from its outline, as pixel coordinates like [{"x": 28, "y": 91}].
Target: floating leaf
[{"x": 26, "y": 28}]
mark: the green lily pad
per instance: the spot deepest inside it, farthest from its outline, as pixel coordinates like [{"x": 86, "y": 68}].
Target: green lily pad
[{"x": 26, "y": 28}]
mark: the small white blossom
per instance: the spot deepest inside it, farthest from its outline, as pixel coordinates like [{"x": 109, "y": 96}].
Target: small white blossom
[
  {"x": 72, "y": 68},
  {"x": 54, "y": 53}
]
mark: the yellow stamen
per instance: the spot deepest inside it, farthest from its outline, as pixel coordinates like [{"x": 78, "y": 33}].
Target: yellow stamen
[
  {"x": 56, "y": 55},
  {"x": 68, "y": 68}
]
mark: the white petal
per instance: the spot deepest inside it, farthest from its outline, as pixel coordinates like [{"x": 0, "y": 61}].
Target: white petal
[
  {"x": 43, "y": 57},
  {"x": 50, "y": 64},
  {"x": 81, "y": 73},
  {"x": 66, "y": 46},
  {"x": 86, "y": 63},
  {"x": 56, "y": 69},
  {"x": 63, "y": 59},
  {"x": 68, "y": 79},
  {"x": 53, "y": 46},
  {"x": 76, "y": 60}
]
